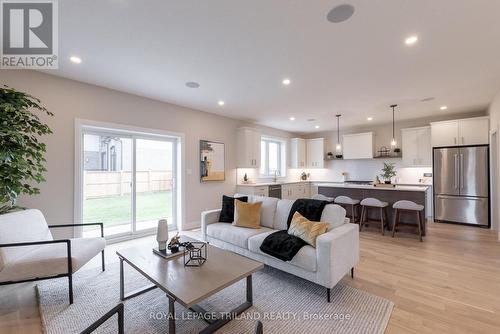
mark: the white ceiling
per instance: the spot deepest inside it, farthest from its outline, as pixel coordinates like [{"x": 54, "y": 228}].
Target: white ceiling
[{"x": 239, "y": 51}]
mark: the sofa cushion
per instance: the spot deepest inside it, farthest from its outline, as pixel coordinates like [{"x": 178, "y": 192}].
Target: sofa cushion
[
  {"x": 21, "y": 226},
  {"x": 235, "y": 235},
  {"x": 305, "y": 258},
  {"x": 307, "y": 230},
  {"x": 247, "y": 214},
  {"x": 334, "y": 215},
  {"x": 51, "y": 259},
  {"x": 267, "y": 211},
  {"x": 227, "y": 212},
  {"x": 282, "y": 211}
]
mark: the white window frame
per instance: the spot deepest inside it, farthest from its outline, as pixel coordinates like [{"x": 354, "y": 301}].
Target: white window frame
[
  {"x": 87, "y": 126},
  {"x": 281, "y": 157}
]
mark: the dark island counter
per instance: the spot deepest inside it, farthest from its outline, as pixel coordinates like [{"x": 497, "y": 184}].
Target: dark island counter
[{"x": 417, "y": 194}]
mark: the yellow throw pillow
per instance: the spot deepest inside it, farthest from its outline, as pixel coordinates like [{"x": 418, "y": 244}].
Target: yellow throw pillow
[
  {"x": 305, "y": 229},
  {"x": 247, "y": 214}
]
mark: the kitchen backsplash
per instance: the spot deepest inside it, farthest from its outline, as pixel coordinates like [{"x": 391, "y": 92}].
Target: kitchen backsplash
[{"x": 364, "y": 170}]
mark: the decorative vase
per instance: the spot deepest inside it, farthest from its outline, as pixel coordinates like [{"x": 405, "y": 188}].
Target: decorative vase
[
  {"x": 387, "y": 181},
  {"x": 162, "y": 234}
]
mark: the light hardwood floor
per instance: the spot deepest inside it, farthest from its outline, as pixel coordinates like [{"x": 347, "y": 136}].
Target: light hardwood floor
[{"x": 450, "y": 283}]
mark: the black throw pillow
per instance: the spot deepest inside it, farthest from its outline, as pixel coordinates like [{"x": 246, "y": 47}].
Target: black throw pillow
[{"x": 227, "y": 212}]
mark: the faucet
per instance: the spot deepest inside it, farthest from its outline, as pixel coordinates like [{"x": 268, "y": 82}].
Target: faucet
[{"x": 276, "y": 173}]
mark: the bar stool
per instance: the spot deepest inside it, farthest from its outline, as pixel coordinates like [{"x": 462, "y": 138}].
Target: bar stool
[
  {"x": 373, "y": 203},
  {"x": 345, "y": 201},
  {"x": 321, "y": 197},
  {"x": 408, "y": 206}
]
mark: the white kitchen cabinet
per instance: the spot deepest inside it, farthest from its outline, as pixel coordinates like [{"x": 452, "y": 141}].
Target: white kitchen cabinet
[
  {"x": 416, "y": 147},
  {"x": 444, "y": 133},
  {"x": 298, "y": 153},
  {"x": 468, "y": 131},
  {"x": 248, "y": 141},
  {"x": 253, "y": 190},
  {"x": 295, "y": 191},
  {"x": 474, "y": 131},
  {"x": 286, "y": 191},
  {"x": 358, "y": 145},
  {"x": 303, "y": 190},
  {"x": 315, "y": 153}
]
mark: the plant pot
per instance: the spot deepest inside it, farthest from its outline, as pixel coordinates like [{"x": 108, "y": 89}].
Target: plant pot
[{"x": 387, "y": 182}]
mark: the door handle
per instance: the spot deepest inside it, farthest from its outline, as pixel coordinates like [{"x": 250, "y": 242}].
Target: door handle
[
  {"x": 461, "y": 171},
  {"x": 455, "y": 176}
]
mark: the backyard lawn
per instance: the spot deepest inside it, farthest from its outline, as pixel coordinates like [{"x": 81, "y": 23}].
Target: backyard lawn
[{"x": 117, "y": 210}]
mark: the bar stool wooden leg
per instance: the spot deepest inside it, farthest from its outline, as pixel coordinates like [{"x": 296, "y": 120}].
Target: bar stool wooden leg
[
  {"x": 382, "y": 220},
  {"x": 419, "y": 223},
  {"x": 396, "y": 213},
  {"x": 361, "y": 218},
  {"x": 353, "y": 216}
]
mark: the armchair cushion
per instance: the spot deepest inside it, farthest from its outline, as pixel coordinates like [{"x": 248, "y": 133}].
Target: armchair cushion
[
  {"x": 50, "y": 260},
  {"x": 21, "y": 226}
]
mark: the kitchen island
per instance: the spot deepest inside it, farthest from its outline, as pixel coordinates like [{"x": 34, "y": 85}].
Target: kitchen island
[{"x": 417, "y": 194}]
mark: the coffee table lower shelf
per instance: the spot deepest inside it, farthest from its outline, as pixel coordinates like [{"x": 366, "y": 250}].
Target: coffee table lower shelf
[{"x": 213, "y": 324}]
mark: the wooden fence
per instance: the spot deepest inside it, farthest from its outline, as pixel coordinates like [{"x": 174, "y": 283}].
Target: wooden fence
[{"x": 105, "y": 184}]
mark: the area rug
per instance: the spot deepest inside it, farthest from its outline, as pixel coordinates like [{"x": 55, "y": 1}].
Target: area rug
[{"x": 282, "y": 302}]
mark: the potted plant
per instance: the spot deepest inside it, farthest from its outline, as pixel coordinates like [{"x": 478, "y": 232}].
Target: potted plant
[
  {"x": 388, "y": 171},
  {"x": 22, "y": 161}
]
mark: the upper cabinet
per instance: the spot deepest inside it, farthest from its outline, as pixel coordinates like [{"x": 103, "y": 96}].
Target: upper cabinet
[
  {"x": 315, "y": 153},
  {"x": 469, "y": 131},
  {"x": 358, "y": 145},
  {"x": 248, "y": 141},
  {"x": 298, "y": 153},
  {"x": 416, "y": 146}
]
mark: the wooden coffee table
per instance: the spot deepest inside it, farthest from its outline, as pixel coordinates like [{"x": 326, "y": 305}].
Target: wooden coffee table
[{"x": 190, "y": 285}]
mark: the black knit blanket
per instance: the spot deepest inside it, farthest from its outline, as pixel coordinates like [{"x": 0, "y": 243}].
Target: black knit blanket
[{"x": 284, "y": 246}]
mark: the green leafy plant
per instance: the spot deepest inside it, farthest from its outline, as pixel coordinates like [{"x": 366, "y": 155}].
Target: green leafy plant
[
  {"x": 22, "y": 161},
  {"x": 388, "y": 171}
]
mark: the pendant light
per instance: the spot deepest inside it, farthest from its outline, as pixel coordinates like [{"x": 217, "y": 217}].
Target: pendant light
[
  {"x": 338, "y": 148},
  {"x": 393, "y": 141}
]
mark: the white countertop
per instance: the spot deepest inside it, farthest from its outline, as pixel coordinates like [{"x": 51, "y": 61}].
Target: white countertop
[
  {"x": 422, "y": 188},
  {"x": 262, "y": 184},
  {"x": 402, "y": 187}
]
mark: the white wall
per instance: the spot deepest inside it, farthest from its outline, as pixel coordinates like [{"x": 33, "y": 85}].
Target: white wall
[
  {"x": 69, "y": 99},
  {"x": 494, "y": 112},
  {"x": 369, "y": 168}
]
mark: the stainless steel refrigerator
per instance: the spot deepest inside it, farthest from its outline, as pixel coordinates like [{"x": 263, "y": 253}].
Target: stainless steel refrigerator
[{"x": 461, "y": 185}]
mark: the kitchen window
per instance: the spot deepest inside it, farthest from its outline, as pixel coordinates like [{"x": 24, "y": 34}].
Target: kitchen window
[{"x": 273, "y": 159}]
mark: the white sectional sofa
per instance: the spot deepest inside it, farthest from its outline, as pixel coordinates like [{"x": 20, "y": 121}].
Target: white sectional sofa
[{"x": 336, "y": 252}]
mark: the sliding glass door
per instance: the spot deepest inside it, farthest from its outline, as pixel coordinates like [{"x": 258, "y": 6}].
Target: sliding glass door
[{"x": 128, "y": 182}]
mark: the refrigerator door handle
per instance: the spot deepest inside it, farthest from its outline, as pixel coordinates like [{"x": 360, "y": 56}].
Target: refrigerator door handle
[
  {"x": 461, "y": 171},
  {"x": 455, "y": 178}
]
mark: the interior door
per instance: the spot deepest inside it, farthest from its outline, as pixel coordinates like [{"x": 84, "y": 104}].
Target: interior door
[
  {"x": 446, "y": 164},
  {"x": 474, "y": 171}
]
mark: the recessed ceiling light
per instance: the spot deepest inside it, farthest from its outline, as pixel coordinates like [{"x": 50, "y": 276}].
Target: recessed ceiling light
[
  {"x": 292, "y": 118},
  {"x": 192, "y": 84},
  {"x": 443, "y": 107},
  {"x": 286, "y": 82},
  {"x": 316, "y": 126},
  {"x": 75, "y": 59},
  {"x": 340, "y": 13},
  {"x": 411, "y": 40},
  {"x": 221, "y": 103},
  {"x": 369, "y": 119}
]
